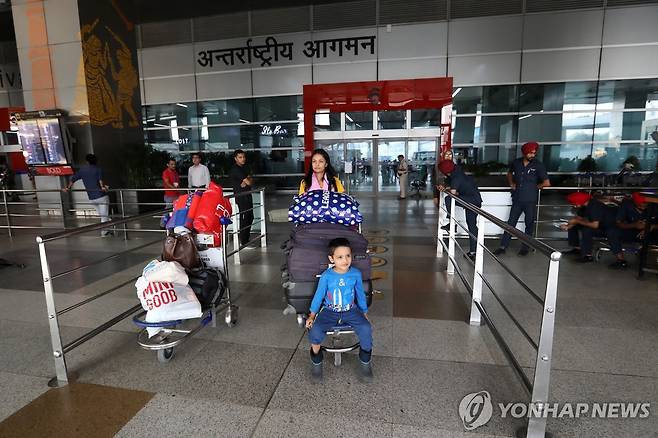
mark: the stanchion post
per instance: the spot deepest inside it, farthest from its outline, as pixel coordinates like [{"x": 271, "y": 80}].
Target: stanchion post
[
  {"x": 4, "y": 201},
  {"x": 62, "y": 378},
  {"x": 61, "y": 209},
  {"x": 123, "y": 215},
  {"x": 439, "y": 230},
  {"x": 451, "y": 242},
  {"x": 263, "y": 229},
  {"x": 478, "y": 273},
  {"x": 540, "y": 387},
  {"x": 236, "y": 231},
  {"x": 537, "y": 214}
]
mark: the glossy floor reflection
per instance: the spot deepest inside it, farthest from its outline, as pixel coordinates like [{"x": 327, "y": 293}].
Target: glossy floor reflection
[{"x": 252, "y": 380}]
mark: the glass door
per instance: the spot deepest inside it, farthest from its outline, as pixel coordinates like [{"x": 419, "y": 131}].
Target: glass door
[
  {"x": 360, "y": 153},
  {"x": 421, "y": 154},
  {"x": 387, "y": 161}
]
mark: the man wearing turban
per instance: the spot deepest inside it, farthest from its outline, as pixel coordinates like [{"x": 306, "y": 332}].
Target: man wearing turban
[
  {"x": 526, "y": 176},
  {"x": 594, "y": 219}
]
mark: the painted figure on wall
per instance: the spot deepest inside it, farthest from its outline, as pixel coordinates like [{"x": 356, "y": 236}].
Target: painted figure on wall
[
  {"x": 127, "y": 81},
  {"x": 103, "y": 108}
]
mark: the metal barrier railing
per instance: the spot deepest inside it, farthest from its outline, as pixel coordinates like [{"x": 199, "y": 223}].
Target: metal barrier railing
[
  {"x": 538, "y": 389},
  {"x": 236, "y": 227},
  {"x": 543, "y": 209},
  {"x": 58, "y": 209},
  {"x": 59, "y": 349}
]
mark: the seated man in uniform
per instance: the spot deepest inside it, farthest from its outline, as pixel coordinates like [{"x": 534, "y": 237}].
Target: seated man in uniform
[
  {"x": 594, "y": 219},
  {"x": 630, "y": 224}
]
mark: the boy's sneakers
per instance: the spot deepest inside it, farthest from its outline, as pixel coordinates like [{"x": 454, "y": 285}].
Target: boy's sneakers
[
  {"x": 316, "y": 366},
  {"x": 499, "y": 251},
  {"x": 365, "y": 369}
]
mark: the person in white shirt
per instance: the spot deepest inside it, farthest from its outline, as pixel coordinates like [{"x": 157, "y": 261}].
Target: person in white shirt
[
  {"x": 198, "y": 177},
  {"x": 403, "y": 175}
]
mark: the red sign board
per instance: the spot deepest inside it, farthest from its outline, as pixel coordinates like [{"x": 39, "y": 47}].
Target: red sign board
[
  {"x": 53, "y": 170},
  {"x": 376, "y": 96},
  {"x": 4, "y": 117}
]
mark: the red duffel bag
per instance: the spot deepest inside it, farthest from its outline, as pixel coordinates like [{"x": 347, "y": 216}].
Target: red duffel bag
[{"x": 212, "y": 207}]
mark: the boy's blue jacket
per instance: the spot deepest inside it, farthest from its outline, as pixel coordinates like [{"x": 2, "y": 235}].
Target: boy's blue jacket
[{"x": 338, "y": 291}]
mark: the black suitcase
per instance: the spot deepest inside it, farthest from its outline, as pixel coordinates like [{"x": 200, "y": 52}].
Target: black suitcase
[{"x": 306, "y": 250}]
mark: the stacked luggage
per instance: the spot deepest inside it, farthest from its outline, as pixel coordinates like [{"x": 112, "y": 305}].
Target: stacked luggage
[
  {"x": 320, "y": 216},
  {"x": 190, "y": 279}
]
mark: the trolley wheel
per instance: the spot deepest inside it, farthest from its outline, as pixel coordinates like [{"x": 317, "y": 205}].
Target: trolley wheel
[
  {"x": 231, "y": 317},
  {"x": 165, "y": 354}
]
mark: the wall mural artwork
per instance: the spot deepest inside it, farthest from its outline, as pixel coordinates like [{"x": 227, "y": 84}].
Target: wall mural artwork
[{"x": 111, "y": 77}]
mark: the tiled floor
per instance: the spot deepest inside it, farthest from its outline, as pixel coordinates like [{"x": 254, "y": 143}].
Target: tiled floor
[{"x": 252, "y": 380}]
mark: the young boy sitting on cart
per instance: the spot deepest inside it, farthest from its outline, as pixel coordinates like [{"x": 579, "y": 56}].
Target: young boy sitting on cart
[{"x": 338, "y": 289}]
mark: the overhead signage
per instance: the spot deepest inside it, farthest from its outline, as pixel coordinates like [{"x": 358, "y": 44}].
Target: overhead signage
[{"x": 273, "y": 50}]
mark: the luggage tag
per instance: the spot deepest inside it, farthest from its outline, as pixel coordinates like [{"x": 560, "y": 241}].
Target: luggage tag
[{"x": 205, "y": 239}]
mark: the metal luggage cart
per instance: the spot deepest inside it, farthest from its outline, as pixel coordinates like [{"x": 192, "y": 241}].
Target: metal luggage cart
[
  {"x": 337, "y": 345},
  {"x": 171, "y": 336}
]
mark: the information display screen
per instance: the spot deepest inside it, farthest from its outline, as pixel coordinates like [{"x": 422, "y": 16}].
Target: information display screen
[
  {"x": 52, "y": 141},
  {"x": 30, "y": 140},
  {"x": 42, "y": 141}
]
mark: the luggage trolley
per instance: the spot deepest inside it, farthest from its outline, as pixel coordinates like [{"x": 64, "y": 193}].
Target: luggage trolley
[
  {"x": 171, "y": 335},
  {"x": 340, "y": 338}
]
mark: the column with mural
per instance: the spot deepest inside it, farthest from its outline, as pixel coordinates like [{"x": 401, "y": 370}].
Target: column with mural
[{"x": 109, "y": 48}]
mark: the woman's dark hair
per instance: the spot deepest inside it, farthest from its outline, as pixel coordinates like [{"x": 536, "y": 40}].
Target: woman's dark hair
[
  {"x": 330, "y": 172},
  {"x": 91, "y": 159}
]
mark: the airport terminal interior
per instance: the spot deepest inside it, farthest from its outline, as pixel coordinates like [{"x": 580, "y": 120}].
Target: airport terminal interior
[{"x": 227, "y": 143}]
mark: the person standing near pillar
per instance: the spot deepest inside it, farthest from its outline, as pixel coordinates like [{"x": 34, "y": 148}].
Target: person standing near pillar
[
  {"x": 198, "y": 175},
  {"x": 403, "y": 174},
  {"x": 92, "y": 177},
  {"x": 242, "y": 181},
  {"x": 526, "y": 176},
  {"x": 171, "y": 181}
]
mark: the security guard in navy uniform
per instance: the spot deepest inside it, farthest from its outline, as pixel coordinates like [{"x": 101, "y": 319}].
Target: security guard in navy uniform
[
  {"x": 526, "y": 176},
  {"x": 463, "y": 186}
]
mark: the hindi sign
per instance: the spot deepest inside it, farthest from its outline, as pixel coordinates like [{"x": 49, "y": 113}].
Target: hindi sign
[{"x": 273, "y": 51}]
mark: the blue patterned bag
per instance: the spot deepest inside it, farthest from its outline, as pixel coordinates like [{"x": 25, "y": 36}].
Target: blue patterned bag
[{"x": 324, "y": 206}]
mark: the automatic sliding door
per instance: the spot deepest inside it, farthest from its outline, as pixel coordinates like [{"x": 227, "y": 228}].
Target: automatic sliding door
[
  {"x": 422, "y": 158},
  {"x": 387, "y": 160},
  {"x": 360, "y": 153}
]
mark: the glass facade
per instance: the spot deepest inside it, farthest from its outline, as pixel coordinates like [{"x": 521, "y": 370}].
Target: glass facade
[
  {"x": 609, "y": 120},
  {"x": 269, "y": 129}
]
